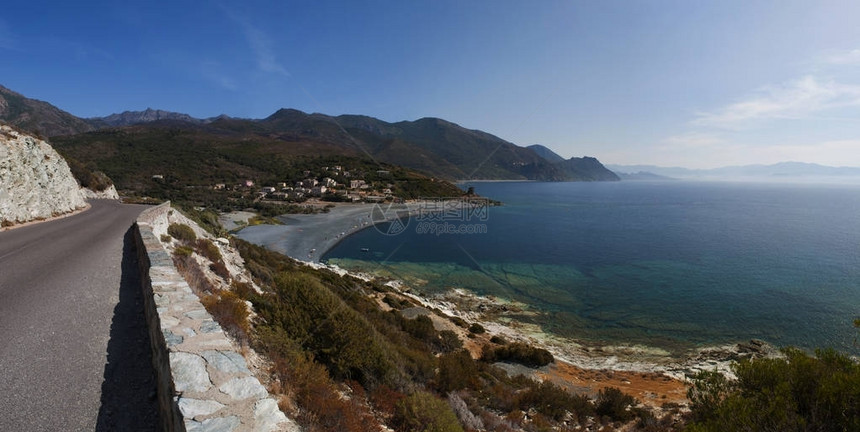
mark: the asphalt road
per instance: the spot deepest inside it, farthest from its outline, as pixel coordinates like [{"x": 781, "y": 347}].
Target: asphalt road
[{"x": 73, "y": 345}]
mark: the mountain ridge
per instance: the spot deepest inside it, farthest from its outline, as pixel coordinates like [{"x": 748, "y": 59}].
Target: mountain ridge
[
  {"x": 428, "y": 144},
  {"x": 434, "y": 146},
  {"x": 128, "y": 118},
  {"x": 586, "y": 168},
  {"x": 546, "y": 153}
]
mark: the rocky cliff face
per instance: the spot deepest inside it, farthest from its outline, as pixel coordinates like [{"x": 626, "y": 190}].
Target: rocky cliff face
[{"x": 35, "y": 181}]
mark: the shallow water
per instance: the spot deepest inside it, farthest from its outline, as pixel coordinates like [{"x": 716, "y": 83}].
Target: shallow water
[{"x": 673, "y": 265}]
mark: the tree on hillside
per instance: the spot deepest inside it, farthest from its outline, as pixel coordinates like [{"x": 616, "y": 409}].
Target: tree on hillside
[{"x": 796, "y": 393}]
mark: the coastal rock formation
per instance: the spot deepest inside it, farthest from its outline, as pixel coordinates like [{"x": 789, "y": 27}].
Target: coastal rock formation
[{"x": 35, "y": 181}]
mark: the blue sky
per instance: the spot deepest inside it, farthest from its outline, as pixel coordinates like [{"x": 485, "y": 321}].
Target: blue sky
[{"x": 673, "y": 83}]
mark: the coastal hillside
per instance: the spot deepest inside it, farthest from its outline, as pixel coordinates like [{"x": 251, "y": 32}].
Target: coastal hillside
[
  {"x": 546, "y": 153},
  {"x": 200, "y": 165},
  {"x": 586, "y": 169},
  {"x": 35, "y": 182},
  {"x": 452, "y": 151},
  {"x": 38, "y": 117},
  {"x": 576, "y": 168}
]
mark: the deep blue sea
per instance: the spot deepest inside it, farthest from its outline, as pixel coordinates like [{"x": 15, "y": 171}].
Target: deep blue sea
[{"x": 673, "y": 265}]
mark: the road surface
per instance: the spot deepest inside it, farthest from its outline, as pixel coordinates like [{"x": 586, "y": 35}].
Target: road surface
[{"x": 74, "y": 352}]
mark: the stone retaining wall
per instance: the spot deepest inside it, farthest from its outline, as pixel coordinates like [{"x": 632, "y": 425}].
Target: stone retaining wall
[{"x": 204, "y": 384}]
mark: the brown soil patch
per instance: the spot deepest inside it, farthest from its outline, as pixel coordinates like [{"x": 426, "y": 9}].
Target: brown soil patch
[{"x": 650, "y": 388}]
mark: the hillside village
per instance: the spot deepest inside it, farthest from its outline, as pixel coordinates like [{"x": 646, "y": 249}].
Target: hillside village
[
  {"x": 329, "y": 183},
  {"x": 334, "y": 183}
]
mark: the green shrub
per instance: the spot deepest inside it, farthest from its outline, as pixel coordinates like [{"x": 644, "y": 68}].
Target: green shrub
[
  {"x": 423, "y": 412},
  {"x": 206, "y": 248},
  {"x": 795, "y": 393},
  {"x": 421, "y": 328},
  {"x": 460, "y": 322},
  {"x": 615, "y": 404},
  {"x": 94, "y": 180},
  {"x": 554, "y": 402},
  {"x": 334, "y": 333},
  {"x": 166, "y": 238},
  {"x": 395, "y": 302},
  {"x": 183, "y": 251},
  {"x": 476, "y": 328},
  {"x": 449, "y": 341},
  {"x": 181, "y": 232},
  {"x": 498, "y": 340},
  {"x": 206, "y": 219},
  {"x": 457, "y": 371},
  {"x": 230, "y": 312},
  {"x": 518, "y": 352},
  {"x": 706, "y": 394},
  {"x": 322, "y": 407}
]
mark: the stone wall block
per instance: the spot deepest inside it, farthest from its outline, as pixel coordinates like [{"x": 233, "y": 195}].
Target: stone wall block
[{"x": 204, "y": 383}]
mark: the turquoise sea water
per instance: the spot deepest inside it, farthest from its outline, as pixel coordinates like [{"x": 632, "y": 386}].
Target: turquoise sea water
[{"x": 673, "y": 265}]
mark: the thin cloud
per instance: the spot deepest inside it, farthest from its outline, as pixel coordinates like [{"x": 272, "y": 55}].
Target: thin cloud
[
  {"x": 260, "y": 44},
  {"x": 7, "y": 39},
  {"x": 792, "y": 100},
  {"x": 212, "y": 72},
  {"x": 81, "y": 51},
  {"x": 692, "y": 140},
  {"x": 845, "y": 57},
  {"x": 262, "y": 47}
]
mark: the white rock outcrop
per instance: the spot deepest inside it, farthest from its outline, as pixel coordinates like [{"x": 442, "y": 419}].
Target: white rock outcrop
[
  {"x": 109, "y": 193},
  {"x": 35, "y": 181}
]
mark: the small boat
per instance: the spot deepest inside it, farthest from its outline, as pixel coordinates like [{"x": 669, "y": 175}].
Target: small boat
[{"x": 365, "y": 249}]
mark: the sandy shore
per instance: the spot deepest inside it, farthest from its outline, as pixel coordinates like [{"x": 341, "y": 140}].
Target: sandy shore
[
  {"x": 236, "y": 219},
  {"x": 307, "y": 237}
]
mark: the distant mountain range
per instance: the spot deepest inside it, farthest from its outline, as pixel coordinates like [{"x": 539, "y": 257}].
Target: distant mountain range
[
  {"x": 430, "y": 145},
  {"x": 641, "y": 176},
  {"x": 128, "y": 118},
  {"x": 775, "y": 172}
]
